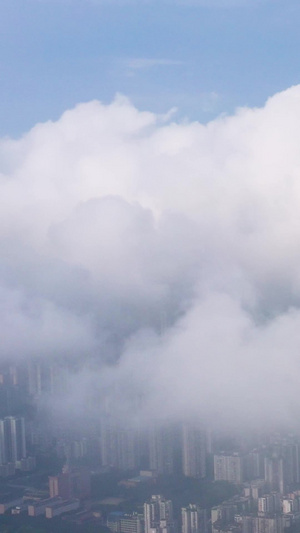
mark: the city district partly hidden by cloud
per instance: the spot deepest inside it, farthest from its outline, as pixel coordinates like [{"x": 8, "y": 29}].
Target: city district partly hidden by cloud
[{"x": 158, "y": 261}]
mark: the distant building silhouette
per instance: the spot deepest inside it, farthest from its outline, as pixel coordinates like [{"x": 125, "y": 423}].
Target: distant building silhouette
[{"x": 193, "y": 451}]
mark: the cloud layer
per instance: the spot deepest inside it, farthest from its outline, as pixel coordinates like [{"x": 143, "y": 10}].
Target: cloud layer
[{"x": 165, "y": 256}]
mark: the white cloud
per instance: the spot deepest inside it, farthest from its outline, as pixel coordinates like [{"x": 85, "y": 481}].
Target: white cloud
[{"x": 173, "y": 247}]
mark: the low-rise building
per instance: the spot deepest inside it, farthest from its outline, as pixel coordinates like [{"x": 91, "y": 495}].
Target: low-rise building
[
  {"x": 8, "y": 504},
  {"x": 60, "y": 507},
  {"x": 38, "y": 508}
]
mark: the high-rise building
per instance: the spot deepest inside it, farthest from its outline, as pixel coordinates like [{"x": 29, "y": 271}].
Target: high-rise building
[
  {"x": 158, "y": 515},
  {"x": 275, "y": 474},
  {"x": 291, "y": 455},
  {"x": 161, "y": 449},
  {"x": 247, "y": 524},
  {"x": 268, "y": 524},
  {"x": 12, "y": 438},
  {"x": 108, "y": 442},
  {"x": 119, "y": 446},
  {"x": 12, "y": 390},
  {"x": 193, "y": 519},
  {"x": 291, "y": 505},
  {"x": 119, "y": 522},
  {"x": 254, "y": 464},
  {"x": 193, "y": 451},
  {"x": 269, "y": 504},
  {"x": 43, "y": 377},
  {"x": 127, "y": 449},
  {"x": 2, "y": 443},
  {"x": 262, "y": 524},
  {"x": 229, "y": 467}
]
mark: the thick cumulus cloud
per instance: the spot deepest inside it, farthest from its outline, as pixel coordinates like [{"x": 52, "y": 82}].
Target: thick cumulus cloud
[{"x": 163, "y": 257}]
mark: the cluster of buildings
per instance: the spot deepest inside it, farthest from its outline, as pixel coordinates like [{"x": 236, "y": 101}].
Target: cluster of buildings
[
  {"x": 271, "y": 512},
  {"x": 23, "y": 388},
  {"x": 267, "y": 470},
  {"x": 67, "y": 491},
  {"x": 113, "y": 444},
  {"x": 278, "y": 464},
  {"x": 247, "y": 513},
  {"x": 164, "y": 449},
  {"x": 268, "y": 477},
  {"x": 158, "y": 517}
]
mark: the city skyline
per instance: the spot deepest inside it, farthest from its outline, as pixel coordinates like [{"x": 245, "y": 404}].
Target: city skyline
[{"x": 149, "y": 266}]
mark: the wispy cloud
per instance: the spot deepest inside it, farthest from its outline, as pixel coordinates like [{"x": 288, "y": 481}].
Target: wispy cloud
[
  {"x": 185, "y": 3},
  {"x": 213, "y": 4},
  {"x": 130, "y": 66},
  {"x": 141, "y": 63},
  {"x": 209, "y": 101}
]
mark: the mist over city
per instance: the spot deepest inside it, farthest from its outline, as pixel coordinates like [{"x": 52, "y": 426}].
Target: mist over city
[
  {"x": 149, "y": 266},
  {"x": 161, "y": 256}
]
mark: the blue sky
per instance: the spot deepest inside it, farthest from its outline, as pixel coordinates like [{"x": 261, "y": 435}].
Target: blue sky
[{"x": 203, "y": 57}]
